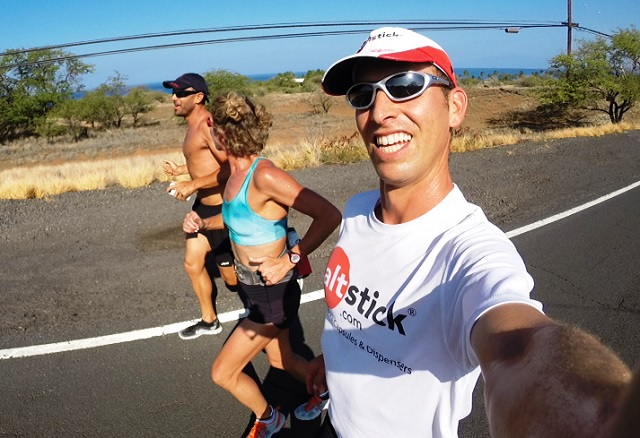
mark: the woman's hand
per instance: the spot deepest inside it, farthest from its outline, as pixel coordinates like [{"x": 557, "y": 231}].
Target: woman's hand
[{"x": 272, "y": 269}]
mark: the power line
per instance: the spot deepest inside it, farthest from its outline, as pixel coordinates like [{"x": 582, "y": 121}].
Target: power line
[
  {"x": 417, "y": 26},
  {"x": 592, "y": 31},
  {"x": 274, "y": 26}
]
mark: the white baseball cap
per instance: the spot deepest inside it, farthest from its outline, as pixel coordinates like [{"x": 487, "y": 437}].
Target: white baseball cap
[{"x": 392, "y": 43}]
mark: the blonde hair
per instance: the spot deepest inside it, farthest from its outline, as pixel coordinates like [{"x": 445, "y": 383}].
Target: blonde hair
[{"x": 244, "y": 125}]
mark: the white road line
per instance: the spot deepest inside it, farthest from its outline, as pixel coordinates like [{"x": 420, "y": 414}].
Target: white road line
[
  {"x": 136, "y": 335},
  {"x": 568, "y": 213}
]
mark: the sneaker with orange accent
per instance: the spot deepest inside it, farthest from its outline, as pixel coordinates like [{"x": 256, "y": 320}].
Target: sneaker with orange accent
[
  {"x": 265, "y": 429},
  {"x": 313, "y": 408}
]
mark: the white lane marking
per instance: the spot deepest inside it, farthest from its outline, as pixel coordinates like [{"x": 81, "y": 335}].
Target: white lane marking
[
  {"x": 101, "y": 341},
  {"x": 136, "y": 335},
  {"x": 568, "y": 213},
  {"x": 234, "y": 315}
]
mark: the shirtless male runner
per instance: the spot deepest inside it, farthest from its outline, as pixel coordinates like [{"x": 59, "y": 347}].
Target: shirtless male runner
[{"x": 209, "y": 170}]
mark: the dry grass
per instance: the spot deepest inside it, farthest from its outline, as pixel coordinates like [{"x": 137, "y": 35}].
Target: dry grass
[
  {"x": 488, "y": 138},
  {"x": 132, "y": 158},
  {"x": 46, "y": 180},
  {"x": 41, "y": 181}
]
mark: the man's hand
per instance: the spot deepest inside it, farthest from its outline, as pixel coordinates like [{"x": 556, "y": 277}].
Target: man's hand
[
  {"x": 183, "y": 189},
  {"x": 172, "y": 169},
  {"x": 316, "y": 379},
  {"x": 626, "y": 423},
  {"x": 192, "y": 223}
]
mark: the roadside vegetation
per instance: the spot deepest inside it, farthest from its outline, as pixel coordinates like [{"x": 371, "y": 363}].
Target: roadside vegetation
[{"x": 56, "y": 137}]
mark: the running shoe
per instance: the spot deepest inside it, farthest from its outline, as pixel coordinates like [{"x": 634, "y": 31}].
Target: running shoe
[
  {"x": 265, "y": 429},
  {"x": 313, "y": 408},
  {"x": 201, "y": 328}
]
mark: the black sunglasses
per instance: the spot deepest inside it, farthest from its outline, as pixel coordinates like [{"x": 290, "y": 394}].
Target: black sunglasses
[
  {"x": 399, "y": 87},
  {"x": 184, "y": 93}
]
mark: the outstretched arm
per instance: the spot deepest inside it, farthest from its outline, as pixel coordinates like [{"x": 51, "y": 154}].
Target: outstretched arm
[
  {"x": 543, "y": 378},
  {"x": 626, "y": 422}
]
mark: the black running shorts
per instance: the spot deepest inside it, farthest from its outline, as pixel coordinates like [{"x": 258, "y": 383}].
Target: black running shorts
[
  {"x": 277, "y": 304},
  {"x": 218, "y": 239}
]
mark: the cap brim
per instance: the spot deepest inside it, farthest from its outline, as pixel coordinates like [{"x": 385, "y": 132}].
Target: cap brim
[
  {"x": 171, "y": 84},
  {"x": 339, "y": 77}
]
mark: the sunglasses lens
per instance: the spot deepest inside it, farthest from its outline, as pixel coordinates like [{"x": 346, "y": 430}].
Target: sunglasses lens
[
  {"x": 183, "y": 93},
  {"x": 360, "y": 95},
  {"x": 405, "y": 85},
  {"x": 400, "y": 87}
]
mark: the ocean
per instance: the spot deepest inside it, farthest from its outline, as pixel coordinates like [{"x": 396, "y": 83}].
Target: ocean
[{"x": 474, "y": 72}]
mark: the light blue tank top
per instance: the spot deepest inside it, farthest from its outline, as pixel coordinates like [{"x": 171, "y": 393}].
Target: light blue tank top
[{"x": 245, "y": 226}]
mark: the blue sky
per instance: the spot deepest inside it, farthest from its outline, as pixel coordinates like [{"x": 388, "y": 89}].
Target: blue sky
[{"x": 32, "y": 23}]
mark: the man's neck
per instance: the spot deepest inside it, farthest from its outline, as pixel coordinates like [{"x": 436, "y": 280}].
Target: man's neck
[
  {"x": 195, "y": 117},
  {"x": 403, "y": 204}
]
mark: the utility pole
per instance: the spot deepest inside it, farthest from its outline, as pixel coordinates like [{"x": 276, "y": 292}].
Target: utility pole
[{"x": 569, "y": 27}]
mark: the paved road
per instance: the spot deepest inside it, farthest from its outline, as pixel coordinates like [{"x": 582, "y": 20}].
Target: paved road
[
  {"x": 585, "y": 268},
  {"x": 586, "y": 272}
]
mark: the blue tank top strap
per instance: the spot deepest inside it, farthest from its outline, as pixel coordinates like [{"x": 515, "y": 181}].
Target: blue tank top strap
[
  {"x": 245, "y": 226},
  {"x": 244, "y": 188}
]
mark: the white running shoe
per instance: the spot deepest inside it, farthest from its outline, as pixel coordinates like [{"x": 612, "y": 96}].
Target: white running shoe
[
  {"x": 313, "y": 408},
  {"x": 263, "y": 429}
]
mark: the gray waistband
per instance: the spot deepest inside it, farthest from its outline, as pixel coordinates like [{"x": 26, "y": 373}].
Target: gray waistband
[{"x": 252, "y": 278}]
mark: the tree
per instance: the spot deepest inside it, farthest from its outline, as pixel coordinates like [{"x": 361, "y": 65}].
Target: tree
[
  {"x": 69, "y": 117},
  {"x": 600, "y": 75},
  {"x": 32, "y": 83},
  {"x": 113, "y": 92},
  {"x": 284, "y": 82},
  {"x": 319, "y": 101},
  {"x": 222, "y": 81},
  {"x": 312, "y": 80},
  {"x": 139, "y": 101},
  {"x": 97, "y": 108}
]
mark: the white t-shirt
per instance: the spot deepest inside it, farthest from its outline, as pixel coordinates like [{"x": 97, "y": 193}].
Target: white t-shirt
[{"x": 402, "y": 301}]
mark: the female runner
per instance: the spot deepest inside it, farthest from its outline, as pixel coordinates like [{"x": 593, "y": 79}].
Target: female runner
[{"x": 256, "y": 204}]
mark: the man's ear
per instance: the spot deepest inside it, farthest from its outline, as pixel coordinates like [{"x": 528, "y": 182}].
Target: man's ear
[{"x": 457, "y": 107}]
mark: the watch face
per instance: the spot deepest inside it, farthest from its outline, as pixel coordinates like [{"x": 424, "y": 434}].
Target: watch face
[{"x": 295, "y": 258}]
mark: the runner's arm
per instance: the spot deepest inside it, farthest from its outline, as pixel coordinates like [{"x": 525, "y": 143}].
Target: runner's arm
[
  {"x": 213, "y": 223},
  {"x": 193, "y": 223},
  {"x": 184, "y": 189},
  {"x": 543, "y": 378},
  {"x": 281, "y": 187},
  {"x": 172, "y": 169}
]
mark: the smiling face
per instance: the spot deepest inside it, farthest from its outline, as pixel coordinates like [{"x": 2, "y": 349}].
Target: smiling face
[{"x": 408, "y": 142}]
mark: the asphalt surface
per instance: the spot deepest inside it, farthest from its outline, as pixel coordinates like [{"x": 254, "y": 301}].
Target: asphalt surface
[{"x": 93, "y": 264}]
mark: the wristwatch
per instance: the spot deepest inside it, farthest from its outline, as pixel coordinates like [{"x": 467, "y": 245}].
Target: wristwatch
[{"x": 294, "y": 258}]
